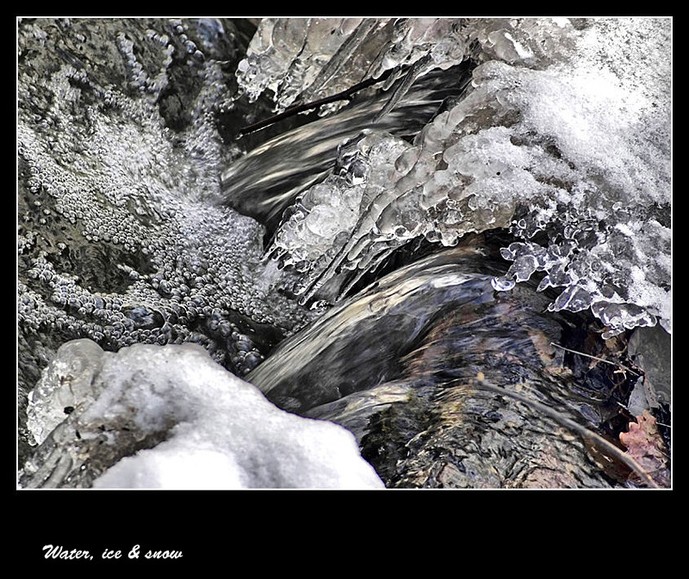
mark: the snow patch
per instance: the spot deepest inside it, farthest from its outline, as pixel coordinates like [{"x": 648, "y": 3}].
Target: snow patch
[{"x": 220, "y": 432}]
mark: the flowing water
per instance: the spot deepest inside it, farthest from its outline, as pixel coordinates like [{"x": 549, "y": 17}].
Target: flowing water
[
  {"x": 401, "y": 364},
  {"x": 265, "y": 181}
]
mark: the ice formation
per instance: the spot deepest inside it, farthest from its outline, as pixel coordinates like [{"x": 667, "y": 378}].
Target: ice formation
[
  {"x": 563, "y": 137},
  {"x": 312, "y": 58},
  {"x": 303, "y": 155},
  {"x": 215, "y": 430},
  {"x": 118, "y": 149}
]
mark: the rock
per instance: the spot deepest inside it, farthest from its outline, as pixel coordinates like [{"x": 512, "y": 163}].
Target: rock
[{"x": 651, "y": 350}]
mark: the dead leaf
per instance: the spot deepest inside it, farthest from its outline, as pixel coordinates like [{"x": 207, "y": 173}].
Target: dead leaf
[{"x": 645, "y": 445}]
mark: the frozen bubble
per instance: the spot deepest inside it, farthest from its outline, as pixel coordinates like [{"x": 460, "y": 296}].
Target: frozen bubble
[
  {"x": 406, "y": 161},
  {"x": 323, "y": 221},
  {"x": 502, "y": 284},
  {"x": 523, "y": 267},
  {"x": 574, "y": 299}
]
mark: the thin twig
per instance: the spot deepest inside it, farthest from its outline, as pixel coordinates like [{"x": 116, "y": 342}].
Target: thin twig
[
  {"x": 576, "y": 427},
  {"x": 294, "y": 110},
  {"x": 596, "y": 358}
]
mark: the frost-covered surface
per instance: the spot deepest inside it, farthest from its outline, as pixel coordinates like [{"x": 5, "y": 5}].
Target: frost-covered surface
[
  {"x": 564, "y": 138},
  {"x": 217, "y": 431},
  {"x": 119, "y": 149}
]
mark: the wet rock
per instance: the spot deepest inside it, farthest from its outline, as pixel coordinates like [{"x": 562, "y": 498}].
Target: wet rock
[{"x": 651, "y": 350}]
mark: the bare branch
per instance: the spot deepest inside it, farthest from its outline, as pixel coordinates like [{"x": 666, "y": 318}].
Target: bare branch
[
  {"x": 581, "y": 430},
  {"x": 596, "y": 358},
  {"x": 295, "y": 110}
]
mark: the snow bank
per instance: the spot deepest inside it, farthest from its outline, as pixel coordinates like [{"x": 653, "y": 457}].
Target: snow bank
[{"x": 220, "y": 432}]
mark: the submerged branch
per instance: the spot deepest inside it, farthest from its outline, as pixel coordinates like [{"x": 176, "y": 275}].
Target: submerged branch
[
  {"x": 596, "y": 358},
  {"x": 585, "y": 433}
]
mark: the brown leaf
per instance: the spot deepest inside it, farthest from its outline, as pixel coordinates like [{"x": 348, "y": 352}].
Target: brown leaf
[{"x": 645, "y": 445}]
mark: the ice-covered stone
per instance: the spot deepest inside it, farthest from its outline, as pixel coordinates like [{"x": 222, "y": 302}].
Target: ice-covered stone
[
  {"x": 534, "y": 42},
  {"x": 286, "y": 54},
  {"x": 215, "y": 430},
  {"x": 66, "y": 386},
  {"x": 327, "y": 215}
]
